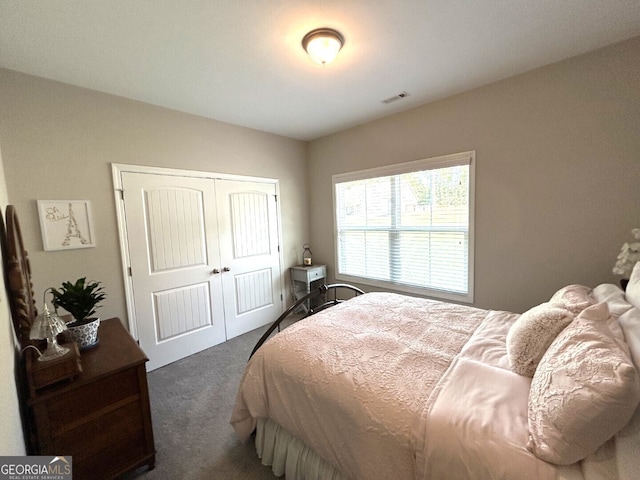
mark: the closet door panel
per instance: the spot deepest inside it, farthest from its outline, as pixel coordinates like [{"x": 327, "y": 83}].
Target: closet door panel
[
  {"x": 248, "y": 233},
  {"x": 173, "y": 248}
]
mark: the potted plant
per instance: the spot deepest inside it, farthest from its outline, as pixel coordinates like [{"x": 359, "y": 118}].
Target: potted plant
[{"x": 81, "y": 299}]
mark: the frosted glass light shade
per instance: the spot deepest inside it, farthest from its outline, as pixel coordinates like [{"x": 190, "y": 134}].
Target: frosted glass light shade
[
  {"x": 48, "y": 326},
  {"x": 323, "y": 44}
]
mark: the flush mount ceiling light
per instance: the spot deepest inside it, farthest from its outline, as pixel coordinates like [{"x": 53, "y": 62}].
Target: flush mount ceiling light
[{"x": 323, "y": 44}]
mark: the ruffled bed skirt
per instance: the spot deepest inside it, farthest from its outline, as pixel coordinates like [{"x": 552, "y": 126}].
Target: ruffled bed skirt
[{"x": 289, "y": 456}]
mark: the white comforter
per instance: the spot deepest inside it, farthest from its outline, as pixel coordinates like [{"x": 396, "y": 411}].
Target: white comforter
[{"x": 389, "y": 386}]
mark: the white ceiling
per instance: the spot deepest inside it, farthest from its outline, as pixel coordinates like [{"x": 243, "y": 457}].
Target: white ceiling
[{"x": 241, "y": 61}]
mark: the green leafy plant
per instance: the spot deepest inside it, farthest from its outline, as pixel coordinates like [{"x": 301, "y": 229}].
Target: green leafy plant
[{"x": 80, "y": 299}]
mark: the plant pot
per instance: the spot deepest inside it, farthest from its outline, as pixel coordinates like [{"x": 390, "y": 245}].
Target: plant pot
[{"x": 85, "y": 335}]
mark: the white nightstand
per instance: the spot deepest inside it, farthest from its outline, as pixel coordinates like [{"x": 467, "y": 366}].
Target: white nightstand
[{"x": 304, "y": 278}]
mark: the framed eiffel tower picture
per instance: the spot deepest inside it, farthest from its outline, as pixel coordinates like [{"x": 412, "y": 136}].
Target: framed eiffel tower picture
[{"x": 66, "y": 224}]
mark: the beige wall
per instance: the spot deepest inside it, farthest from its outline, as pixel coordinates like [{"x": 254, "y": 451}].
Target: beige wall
[
  {"x": 11, "y": 438},
  {"x": 558, "y": 171},
  {"x": 59, "y": 142}
]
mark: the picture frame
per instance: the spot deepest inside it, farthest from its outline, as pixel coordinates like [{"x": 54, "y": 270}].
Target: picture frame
[{"x": 66, "y": 224}]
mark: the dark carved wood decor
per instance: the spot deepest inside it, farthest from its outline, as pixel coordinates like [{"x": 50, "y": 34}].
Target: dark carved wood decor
[
  {"x": 18, "y": 273},
  {"x": 23, "y": 311}
]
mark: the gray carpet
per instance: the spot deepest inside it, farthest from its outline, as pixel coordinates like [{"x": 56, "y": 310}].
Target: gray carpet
[{"x": 191, "y": 402}]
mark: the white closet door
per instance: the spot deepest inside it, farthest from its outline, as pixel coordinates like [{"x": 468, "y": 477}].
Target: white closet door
[
  {"x": 248, "y": 233},
  {"x": 172, "y": 236}
]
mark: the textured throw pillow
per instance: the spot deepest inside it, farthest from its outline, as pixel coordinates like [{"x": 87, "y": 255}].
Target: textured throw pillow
[
  {"x": 632, "y": 293},
  {"x": 584, "y": 391},
  {"x": 530, "y": 336},
  {"x": 574, "y": 298}
]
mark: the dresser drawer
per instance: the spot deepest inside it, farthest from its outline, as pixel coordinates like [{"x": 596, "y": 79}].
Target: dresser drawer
[
  {"x": 120, "y": 431},
  {"x": 76, "y": 406},
  {"x": 110, "y": 428}
]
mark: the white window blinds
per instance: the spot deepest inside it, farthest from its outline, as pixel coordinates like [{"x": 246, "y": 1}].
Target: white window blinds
[{"x": 408, "y": 226}]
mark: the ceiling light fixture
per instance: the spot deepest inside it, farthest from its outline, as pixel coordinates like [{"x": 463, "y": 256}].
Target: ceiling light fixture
[{"x": 323, "y": 44}]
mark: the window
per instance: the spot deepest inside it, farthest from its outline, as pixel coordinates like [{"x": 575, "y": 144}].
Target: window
[{"x": 408, "y": 227}]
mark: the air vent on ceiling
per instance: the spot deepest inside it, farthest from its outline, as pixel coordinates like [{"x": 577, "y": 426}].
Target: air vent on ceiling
[{"x": 396, "y": 97}]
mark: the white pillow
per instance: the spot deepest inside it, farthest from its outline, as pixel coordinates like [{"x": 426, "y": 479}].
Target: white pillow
[
  {"x": 620, "y": 454},
  {"x": 630, "y": 323},
  {"x": 574, "y": 298},
  {"x": 614, "y": 298},
  {"x": 633, "y": 288},
  {"x": 628, "y": 439},
  {"x": 584, "y": 391},
  {"x": 532, "y": 333}
]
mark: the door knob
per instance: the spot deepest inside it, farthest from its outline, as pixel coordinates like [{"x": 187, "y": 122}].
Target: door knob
[
  {"x": 226, "y": 269},
  {"x": 215, "y": 270}
]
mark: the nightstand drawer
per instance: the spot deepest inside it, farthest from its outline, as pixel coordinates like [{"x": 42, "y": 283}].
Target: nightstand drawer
[{"x": 308, "y": 274}]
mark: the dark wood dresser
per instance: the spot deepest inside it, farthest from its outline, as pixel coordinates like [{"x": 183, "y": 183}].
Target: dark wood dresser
[{"x": 102, "y": 418}]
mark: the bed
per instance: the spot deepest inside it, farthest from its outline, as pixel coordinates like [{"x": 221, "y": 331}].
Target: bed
[{"x": 390, "y": 386}]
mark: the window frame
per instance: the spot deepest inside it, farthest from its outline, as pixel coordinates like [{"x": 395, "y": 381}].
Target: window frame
[{"x": 456, "y": 159}]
